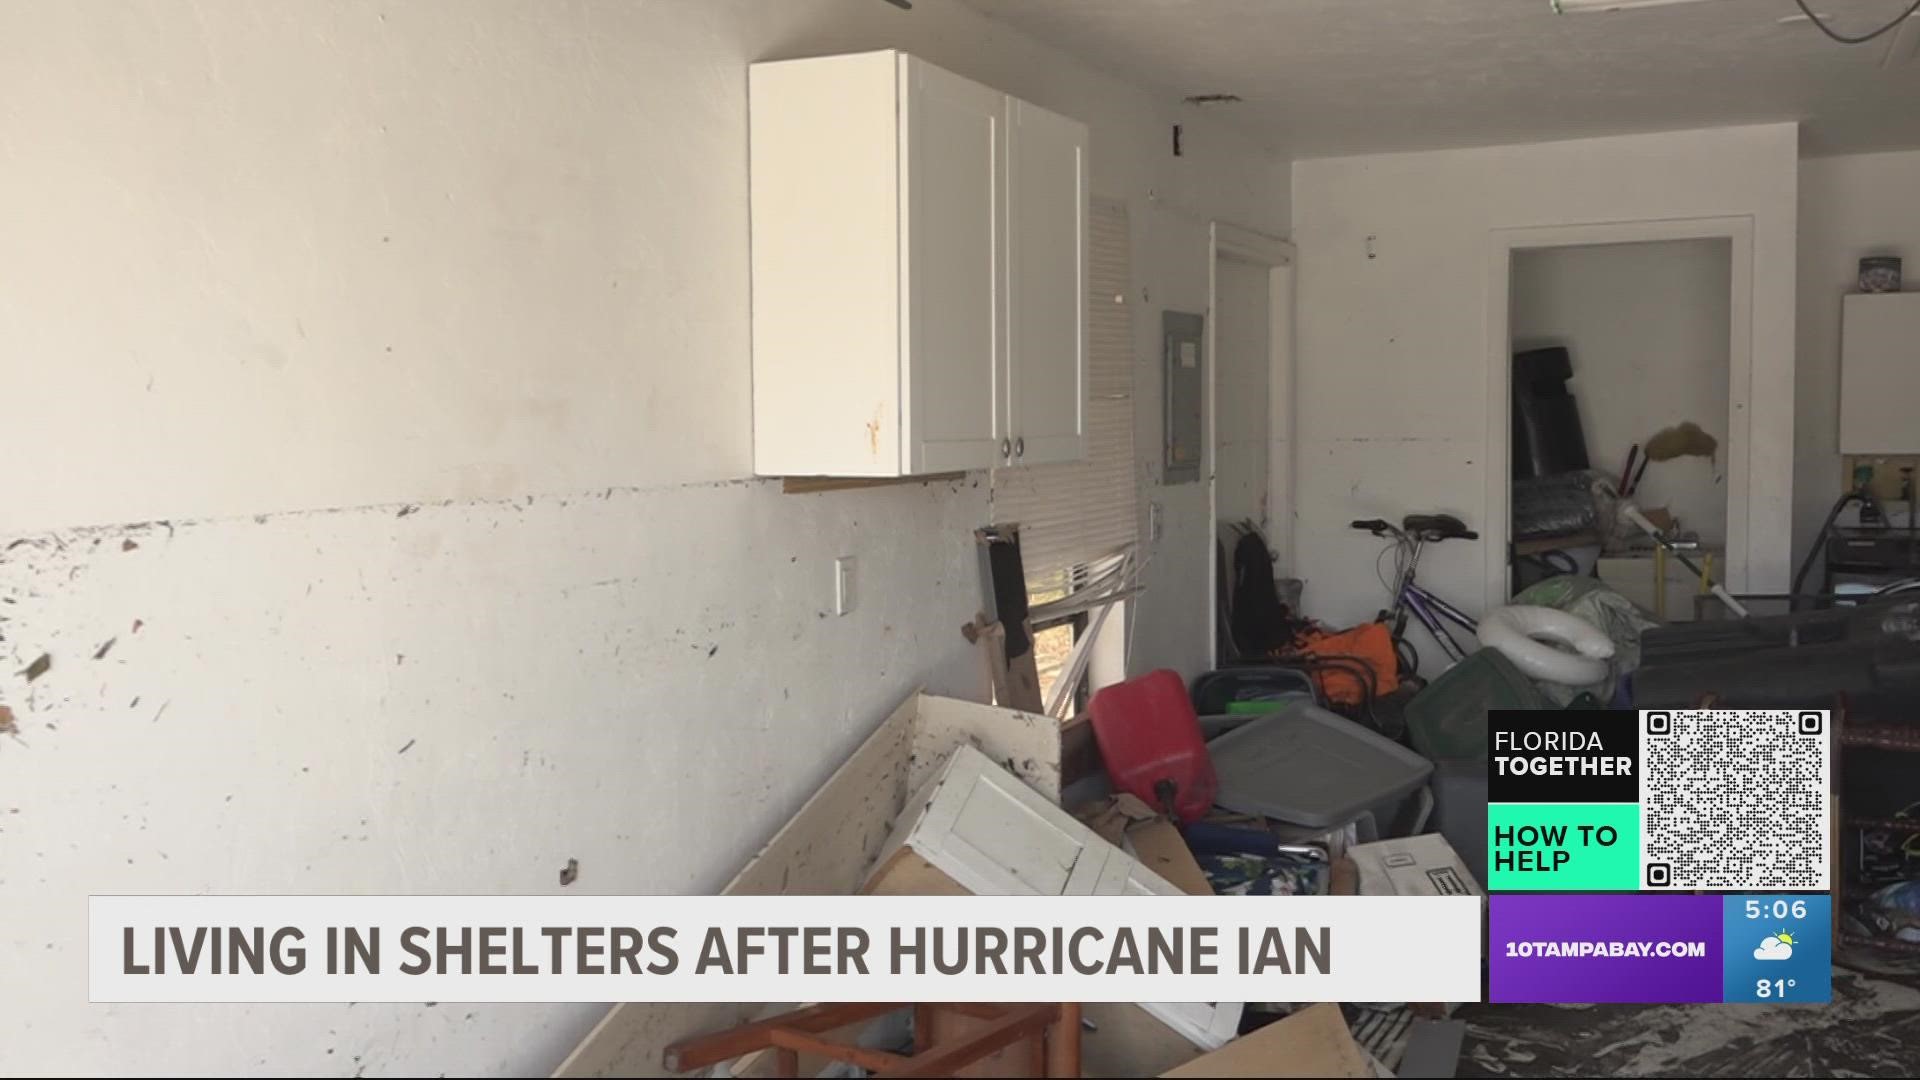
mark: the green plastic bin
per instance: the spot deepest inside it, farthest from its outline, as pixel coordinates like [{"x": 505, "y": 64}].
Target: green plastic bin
[{"x": 1448, "y": 720}]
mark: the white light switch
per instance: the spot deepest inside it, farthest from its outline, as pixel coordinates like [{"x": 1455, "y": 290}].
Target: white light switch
[{"x": 843, "y": 585}]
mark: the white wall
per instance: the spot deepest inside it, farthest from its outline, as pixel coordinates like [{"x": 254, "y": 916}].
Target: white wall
[
  {"x": 1243, "y": 380},
  {"x": 1393, "y": 350},
  {"x": 438, "y": 619},
  {"x": 1169, "y": 621},
  {"x": 1861, "y": 204},
  {"x": 1647, "y": 328}
]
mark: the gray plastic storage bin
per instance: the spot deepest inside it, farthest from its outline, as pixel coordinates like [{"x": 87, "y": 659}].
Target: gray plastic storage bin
[
  {"x": 1460, "y": 810},
  {"x": 1311, "y": 767}
]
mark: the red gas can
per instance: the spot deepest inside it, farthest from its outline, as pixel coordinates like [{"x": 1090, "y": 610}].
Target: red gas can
[{"x": 1152, "y": 746}]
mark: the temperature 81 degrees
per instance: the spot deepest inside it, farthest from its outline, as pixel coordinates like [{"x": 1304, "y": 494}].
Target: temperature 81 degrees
[{"x": 1778, "y": 948}]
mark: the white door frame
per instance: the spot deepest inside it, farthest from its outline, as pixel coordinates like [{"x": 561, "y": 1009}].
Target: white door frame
[
  {"x": 1237, "y": 243},
  {"x": 1496, "y": 529}
]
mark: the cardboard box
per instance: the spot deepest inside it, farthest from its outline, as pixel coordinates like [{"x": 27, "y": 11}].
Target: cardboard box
[
  {"x": 1423, "y": 865},
  {"x": 1134, "y": 827},
  {"x": 1161, "y": 849},
  {"x": 1312, "y": 1042}
]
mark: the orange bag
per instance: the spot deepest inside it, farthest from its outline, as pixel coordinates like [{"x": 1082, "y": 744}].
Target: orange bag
[{"x": 1368, "y": 643}]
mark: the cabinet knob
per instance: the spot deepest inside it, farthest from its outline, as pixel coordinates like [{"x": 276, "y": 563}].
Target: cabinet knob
[
  {"x": 1006, "y": 450},
  {"x": 1020, "y": 447}
]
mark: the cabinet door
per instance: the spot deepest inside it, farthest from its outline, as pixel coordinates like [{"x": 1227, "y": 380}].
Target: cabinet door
[
  {"x": 953, "y": 263},
  {"x": 1879, "y": 372},
  {"x": 996, "y": 836},
  {"x": 1047, "y": 284}
]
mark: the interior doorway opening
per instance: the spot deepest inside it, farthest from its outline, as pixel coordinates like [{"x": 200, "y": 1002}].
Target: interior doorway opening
[
  {"x": 1620, "y": 385},
  {"x": 1249, "y": 410}
]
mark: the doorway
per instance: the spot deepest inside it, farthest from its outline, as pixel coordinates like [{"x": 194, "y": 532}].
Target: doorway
[
  {"x": 1621, "y": 381},
  {"x": 1525, "y": 264},
  {"x": 1249, "y": 440}
]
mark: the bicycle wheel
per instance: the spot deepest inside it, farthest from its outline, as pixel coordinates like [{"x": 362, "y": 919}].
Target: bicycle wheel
[{"x": 1408, "y": 658}]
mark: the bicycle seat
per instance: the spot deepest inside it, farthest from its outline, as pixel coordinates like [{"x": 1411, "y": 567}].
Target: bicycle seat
[{"x": 1438, "y": 527}]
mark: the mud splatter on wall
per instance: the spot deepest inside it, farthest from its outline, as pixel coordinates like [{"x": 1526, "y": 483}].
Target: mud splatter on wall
[{"x": 556, "y": 701}]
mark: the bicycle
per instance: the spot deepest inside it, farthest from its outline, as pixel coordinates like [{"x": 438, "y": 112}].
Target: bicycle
[{"x": 1410, "y": 537}]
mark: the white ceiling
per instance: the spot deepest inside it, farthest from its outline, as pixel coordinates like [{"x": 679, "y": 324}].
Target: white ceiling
[{"x": 1328, "y": 77}]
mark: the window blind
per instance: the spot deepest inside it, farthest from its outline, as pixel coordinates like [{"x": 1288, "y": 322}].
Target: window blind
[{"x": 1076, "y": 513}]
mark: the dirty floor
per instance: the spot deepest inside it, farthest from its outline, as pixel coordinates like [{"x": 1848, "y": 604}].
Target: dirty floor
[{"x": 1872, "y": 1029}]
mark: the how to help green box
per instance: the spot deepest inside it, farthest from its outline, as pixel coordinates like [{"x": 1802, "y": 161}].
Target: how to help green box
[
  {"x": 1564, "y": 847},
  {"x": 1563, "y": 797}
]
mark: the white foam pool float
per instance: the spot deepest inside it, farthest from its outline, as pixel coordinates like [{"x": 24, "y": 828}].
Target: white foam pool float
[{"x": 1537, "y": 640}]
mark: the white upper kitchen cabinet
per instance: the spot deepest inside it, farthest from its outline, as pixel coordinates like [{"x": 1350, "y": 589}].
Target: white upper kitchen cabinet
[
  {"x": 1879, "y": 373},
  {"x": 1047, "y": 284},
  {"x": 919, "y": 265}
]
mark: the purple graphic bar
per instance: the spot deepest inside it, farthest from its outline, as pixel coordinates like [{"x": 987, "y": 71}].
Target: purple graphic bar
[{"x": 1622, "y": 947}]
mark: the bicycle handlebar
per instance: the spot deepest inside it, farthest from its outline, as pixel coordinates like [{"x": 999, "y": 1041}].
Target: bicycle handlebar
[{"x": 1384, "y": 528}]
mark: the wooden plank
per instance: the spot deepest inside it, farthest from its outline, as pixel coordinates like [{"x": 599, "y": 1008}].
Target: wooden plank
[
  {"x": 993, "y": 647},
  {"x": 1023, "y": 677}
]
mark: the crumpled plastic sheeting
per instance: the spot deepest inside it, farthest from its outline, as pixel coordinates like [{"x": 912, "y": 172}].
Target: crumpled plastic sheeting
[{"x": 1594, "y": 601}]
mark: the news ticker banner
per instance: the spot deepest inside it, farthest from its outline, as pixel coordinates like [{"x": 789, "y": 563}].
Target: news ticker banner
[
  {"x": 1664, "y": 855},
  {"x": 783, "y": 948}
]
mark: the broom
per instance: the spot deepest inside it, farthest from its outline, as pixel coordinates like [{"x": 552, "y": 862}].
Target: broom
[{"x": 1682, "y": 440}]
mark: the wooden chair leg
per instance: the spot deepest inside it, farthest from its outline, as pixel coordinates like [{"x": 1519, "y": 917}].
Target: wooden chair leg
[
  {"x": 922, "y": 1028},
  {"x": 1016, "y": 1026},
  {"x": 1048, "y": 1035},
  {"x": 1063, "y": 1043},
  {"x": 700, "y": 1051}
]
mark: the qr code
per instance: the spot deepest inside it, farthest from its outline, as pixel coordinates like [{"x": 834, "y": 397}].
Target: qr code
[{"x": 1735, "y": 799}]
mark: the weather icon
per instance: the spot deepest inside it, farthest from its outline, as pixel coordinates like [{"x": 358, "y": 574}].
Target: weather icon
[{"x": 1775, "y": 947}]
